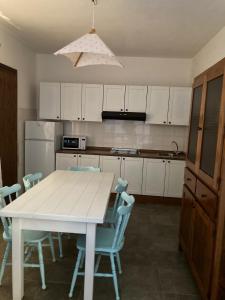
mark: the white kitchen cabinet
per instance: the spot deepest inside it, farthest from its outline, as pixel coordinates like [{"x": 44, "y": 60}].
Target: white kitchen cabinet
[
  {"x": 49, "y": 101},
  {"x": 174, "y": 178},
  {"x": 154, "y": 177},
  {"x": 65, "y": 161},
  {"x": 111, "y": 164},
  {"x": 132, "y": 171},
  {"x": 85, "y": 160},
  {"x": 92, "y": 102},
  {"x": 135, "y": 98},
  {"x": 157, "y": 105},
  {"x": 114, "y": 96},
  {"x": 71, "y": 101},
  {"x": 179, "y": 105}
]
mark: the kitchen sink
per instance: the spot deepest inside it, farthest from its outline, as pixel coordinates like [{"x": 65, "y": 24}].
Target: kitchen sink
[
  {"x": 130, "y": 151},
  {"x": 170, "y": 154}
]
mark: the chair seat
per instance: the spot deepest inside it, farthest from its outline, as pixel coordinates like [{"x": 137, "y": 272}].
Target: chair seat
[
  {"x": 109, "y": 217},
  {"x": 29, "y": 235},
  {"x": 104, "y": 241}
]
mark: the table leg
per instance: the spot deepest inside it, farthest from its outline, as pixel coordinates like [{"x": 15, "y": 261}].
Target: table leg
[
  {"x": 89, "y": 262},
  {"x": 17, "y": 260}
]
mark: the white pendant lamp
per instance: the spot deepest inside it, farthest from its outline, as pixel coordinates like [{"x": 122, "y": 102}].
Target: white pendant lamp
[{"x": 89, "y": 49}]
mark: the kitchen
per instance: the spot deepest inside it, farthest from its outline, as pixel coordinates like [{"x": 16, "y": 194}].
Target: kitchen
[{"x": 134, "y": 123}]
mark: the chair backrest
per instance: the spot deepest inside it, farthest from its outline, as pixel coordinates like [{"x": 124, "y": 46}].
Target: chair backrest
[
  {"x": 123, "y": 215},
  {"x": 85, "y": 169},
  {"x": 120, "y": 187},
  {"x": 9, "y": 192},
  {"x": 31, "y": 179}
]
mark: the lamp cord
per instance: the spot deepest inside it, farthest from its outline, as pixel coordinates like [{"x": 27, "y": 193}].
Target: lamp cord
[{"x": 93, "y": 13}]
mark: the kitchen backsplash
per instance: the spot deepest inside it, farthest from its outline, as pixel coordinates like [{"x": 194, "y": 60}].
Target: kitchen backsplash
[{"x": 130, "y": 134}]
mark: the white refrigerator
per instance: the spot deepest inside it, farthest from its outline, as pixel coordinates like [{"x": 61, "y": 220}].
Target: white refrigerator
[{"x": 42, "y": 139}]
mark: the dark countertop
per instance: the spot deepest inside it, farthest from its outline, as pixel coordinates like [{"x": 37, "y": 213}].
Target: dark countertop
[{"x": 144, "y": 153}]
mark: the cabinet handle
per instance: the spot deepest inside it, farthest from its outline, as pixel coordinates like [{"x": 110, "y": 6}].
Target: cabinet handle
[
  {"x": 121, "y": 109},
  {"x": 123, "y": 158},
  {"x": 169, "y": 122},
  {"x": 188, "y": 179},
  {"x": 57, "y": 117},
  {"x": 203, "y": 195},
  {"x": 83, "y": 118},
  {"x": 163, "y": 161},
  {"x": 169, "y": 161},
  {"x": 199, "y": 128},
  {"x": 118, "y": 157},
  {"x": 164, "y": 122},
  {"x": 74, "y": 156},
  {"x": 126, "y": 109},
  {"x": 79, "y": 155},
  {"x": 78, "y": 118}
]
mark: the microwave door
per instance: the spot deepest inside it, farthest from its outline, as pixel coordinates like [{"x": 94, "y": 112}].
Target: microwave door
[{"x": 71, "y": 143}]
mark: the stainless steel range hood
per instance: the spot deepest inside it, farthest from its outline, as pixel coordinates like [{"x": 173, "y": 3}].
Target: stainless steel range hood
[{"x": 118, "y": 115}]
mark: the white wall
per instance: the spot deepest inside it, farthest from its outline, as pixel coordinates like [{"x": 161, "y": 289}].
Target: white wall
[
  {"x": 211, "y": 53},
  {"x": 156, "y": 71},
  {"x": 15, "y": 54}
]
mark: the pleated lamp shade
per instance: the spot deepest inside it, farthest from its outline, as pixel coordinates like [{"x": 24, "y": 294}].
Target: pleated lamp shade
[{"x": 89, "y": 50}]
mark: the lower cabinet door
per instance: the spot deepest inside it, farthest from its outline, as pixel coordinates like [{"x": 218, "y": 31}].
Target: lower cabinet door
[
  {"x": 153, "y": 177},
  {"x": 174, "y": 178},
  {"x": 203, "y": 248},
  {"x": 111, "y": 164},
  {"x": 132, "y": 170},
  {"x": 88, "y": 160},
  {"x": 186, "y": 221},
  {"x": 65, "y": 161}
]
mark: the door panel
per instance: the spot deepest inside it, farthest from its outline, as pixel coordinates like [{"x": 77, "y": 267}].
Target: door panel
[
  {"x": 174, "y": 178},
  {"x": 49, "y": 102},
  {"x": 154, "y": 177},
  {"x": 8, "y": 124},
  {"x": 132, "y": 170},
  {"x": 65, "y": 161},
  {"x": 71, "y": 101},
  {"x": 92, "y": 101},
  {"x": 111, "y": 164},
  {"x": 157, "y": 104},
  {"x": 114, "y": 97},
  {"x": 135, "y": 98},
  {"x": 88, "y": 160}
]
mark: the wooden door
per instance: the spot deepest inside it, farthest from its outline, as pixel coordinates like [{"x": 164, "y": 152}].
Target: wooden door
[
  {"x": 49, "y": 101},
  {"x": 174, "y": 179},
  {"x": 135, "y": 98},
  {"x": 179, "y": 106},
  {"x": 92, "y": 101},
  {"x": 88, "y": 160},
  {"x": 154, "y": 177},
  {"x": 132, "y": 170},
  {"x": 203, "y": 248},
  {"x": 71, "y": 101},
  {"x": 186, "y": 221},
  {"x": 114, "y": 97},
  {"x": 111, "y": 164},
  {"x": 157, "y": 105},
  {"x": 8, "y": 124}
]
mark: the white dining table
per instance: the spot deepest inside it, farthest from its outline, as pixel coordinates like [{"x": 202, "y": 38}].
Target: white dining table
[{"x": 65, "y": 201}]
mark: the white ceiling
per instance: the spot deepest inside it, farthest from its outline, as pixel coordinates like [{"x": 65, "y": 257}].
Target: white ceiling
[{"x": 163, "y": 28}]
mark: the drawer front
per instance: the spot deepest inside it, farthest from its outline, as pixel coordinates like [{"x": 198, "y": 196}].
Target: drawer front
[
  {"x": 190, "y": 180},
  {"x": 207, "y": 199}
]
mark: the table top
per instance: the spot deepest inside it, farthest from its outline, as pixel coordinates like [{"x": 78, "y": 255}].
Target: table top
[{"x": 65, "y": 196}]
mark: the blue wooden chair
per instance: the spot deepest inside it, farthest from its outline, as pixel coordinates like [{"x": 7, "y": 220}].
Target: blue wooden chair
[
  {"x": 32, "y": 239},
  {"x": 29, "y": 181},
  {"x": 110, "y": 217},
  {"x": 109, "y": 241},
  {"x": 85, "y": 169}
]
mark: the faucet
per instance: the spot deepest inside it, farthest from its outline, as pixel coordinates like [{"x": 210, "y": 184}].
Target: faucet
[{"x": 175, "y": 143}]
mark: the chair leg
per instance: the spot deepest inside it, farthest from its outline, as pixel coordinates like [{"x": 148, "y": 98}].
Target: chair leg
[
  {"x": 60, "y": 245},
  {"x": 75, "y": 273},
  {"x": 118, "y": 262},
  {"x": 4, "y": 261},
  {"x": 52, "y": 247},
  {"x": 97, "y": 263},
  {"x": 82, "y": 260},
  {"x": 114, "y": 276},
  {"x": 41, "y": 264}
]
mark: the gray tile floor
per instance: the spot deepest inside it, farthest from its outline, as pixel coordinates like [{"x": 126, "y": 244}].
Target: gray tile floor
[{"x": 153, "y": 268}]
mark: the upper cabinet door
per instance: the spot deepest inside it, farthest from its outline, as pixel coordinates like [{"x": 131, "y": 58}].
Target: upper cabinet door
[
  {"x": 179, "y": 105},
  {"x": 92, "y": 101},
  {"x": 174, "y": 178},
  {"x": 157, "y": 104},
  {"x": 211, "y": 126},
  {"x": 114, "y": 96},
  {"x": 71, "y": 101},
  {"x": 194, "y": 126},
  {"x": 135, "y": 98},
  {"x": 49, "y": 102}
]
